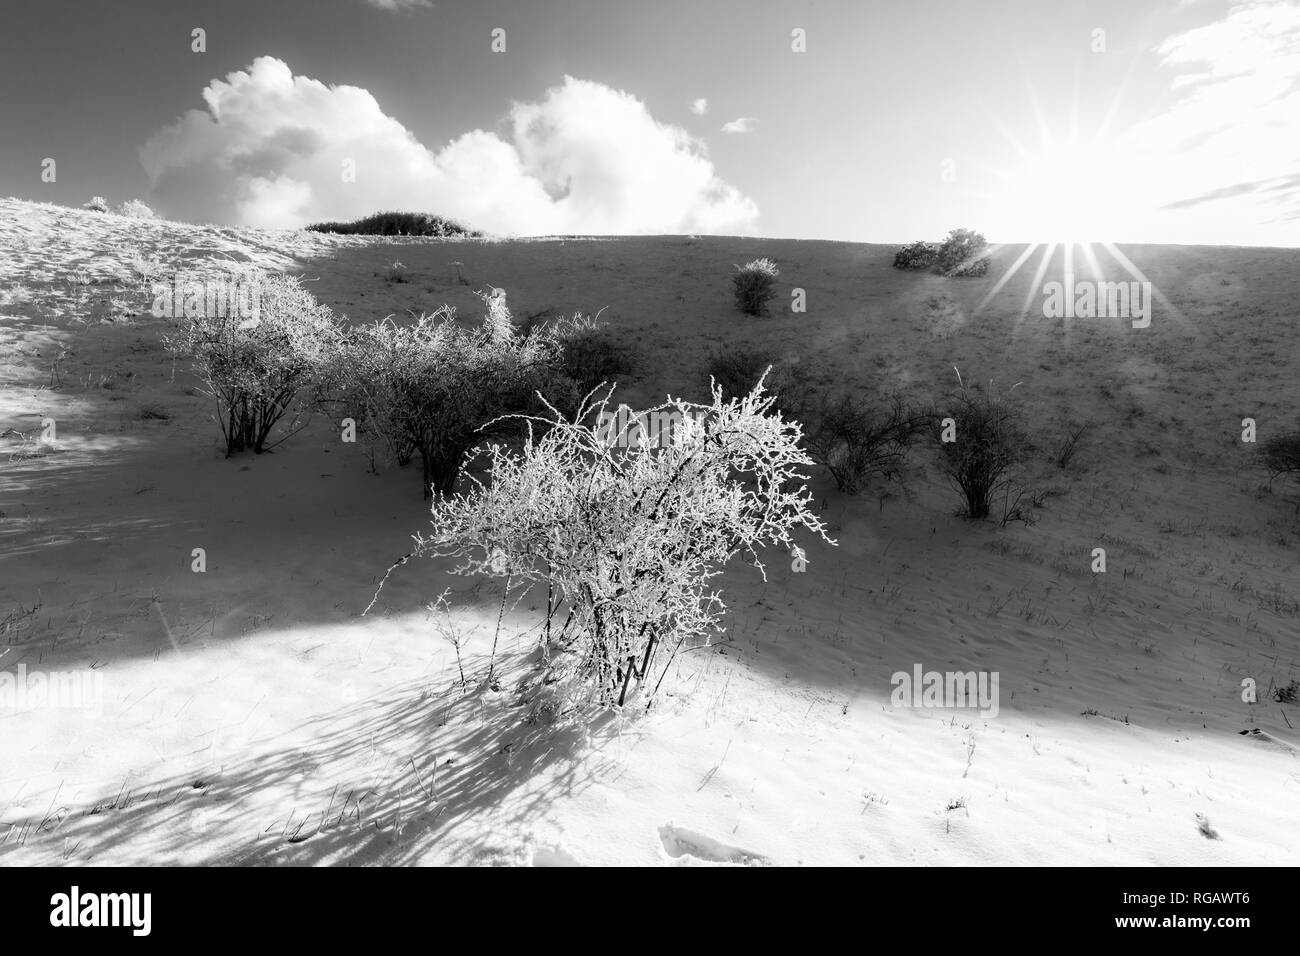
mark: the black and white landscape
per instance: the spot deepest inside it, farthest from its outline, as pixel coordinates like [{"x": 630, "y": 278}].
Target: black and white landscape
[{"x": 364, "y": 498}]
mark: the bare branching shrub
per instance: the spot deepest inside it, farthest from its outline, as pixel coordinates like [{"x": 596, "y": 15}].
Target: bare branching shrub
[
  {"x": 96, "y": 204},
  {"x": 859, "y": 439},
  {"x": 753, "y": 285},
  {"x": 1281, "y": 456},
  {"x": 434, "y": 387},
  {"x": 254, "y": 367},
  {"x": 627, "y": 537},
  {"x": 988, "y": 441}
]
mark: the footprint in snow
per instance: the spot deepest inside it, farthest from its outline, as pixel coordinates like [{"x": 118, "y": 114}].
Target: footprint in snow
[
  {"x": 1268, "y": 740},
  {"x": 690, "y": 848},
  {"x": 554, "y": 856}
]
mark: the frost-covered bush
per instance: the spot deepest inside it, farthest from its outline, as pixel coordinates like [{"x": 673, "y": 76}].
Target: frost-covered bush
[
  {"x": 96, "y": 204},
  {"x": 498, "y": 324},
  {"x": 435, "y": 387},
  {"x": 627, "y": 537},
  {"x": 858, "y": 438},
  {"x": 987, "y": 442},
  {"x": 254, "y": 366},
  {"x": 135, "y": 209},
  {"x": 963, "y": 254},
  {"x": 753, "y": 285}
]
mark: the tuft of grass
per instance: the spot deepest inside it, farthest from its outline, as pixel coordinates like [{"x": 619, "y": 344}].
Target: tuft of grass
[
  {"x": 1064, "y": 452},
  {"x": 17, "y": 619}
]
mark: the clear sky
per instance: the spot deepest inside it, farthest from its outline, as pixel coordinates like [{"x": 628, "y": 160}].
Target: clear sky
[{"x": 1030, "y": 120}]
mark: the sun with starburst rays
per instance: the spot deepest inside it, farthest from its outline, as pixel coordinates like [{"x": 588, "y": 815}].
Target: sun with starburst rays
[{"x": 1067, "y": 201}]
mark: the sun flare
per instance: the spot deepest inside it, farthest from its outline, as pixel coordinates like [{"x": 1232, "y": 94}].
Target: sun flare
[{"x": 1068, "y": 193}]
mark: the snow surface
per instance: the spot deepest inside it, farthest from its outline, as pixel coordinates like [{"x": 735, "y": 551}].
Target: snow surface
[{"x": 250, "y": 714}]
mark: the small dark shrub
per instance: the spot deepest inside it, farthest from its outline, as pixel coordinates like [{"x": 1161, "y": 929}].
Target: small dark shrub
[
  {"x": 754, "y": 285},
  {"x": 919, "y": 255},
  {"x": 591, "y": 354},
  {"x": 858, "y": 438},
  {"x": 1281, "y": 455},
  {"x": 398, "y": 224},
  {"x": 962, "y": 254},
  {"x": 536, "y": 320},
  {"x": 989, "y": 441},
  {"x": 582, "y": 356},
  {"x": 737, "y": 370}
]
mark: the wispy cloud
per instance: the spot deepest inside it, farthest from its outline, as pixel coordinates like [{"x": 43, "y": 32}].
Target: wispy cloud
[
  {"x": 399, "y": 4},
  {"x": 743, "y": 124},
  {"x": 1231, "y": 134},
  {"x": 700, "y": 106}
]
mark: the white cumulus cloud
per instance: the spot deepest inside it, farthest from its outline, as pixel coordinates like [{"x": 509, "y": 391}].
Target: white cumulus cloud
[
  {"x": 271, "y": 149},
  {"x": 700, "y": 106}
]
